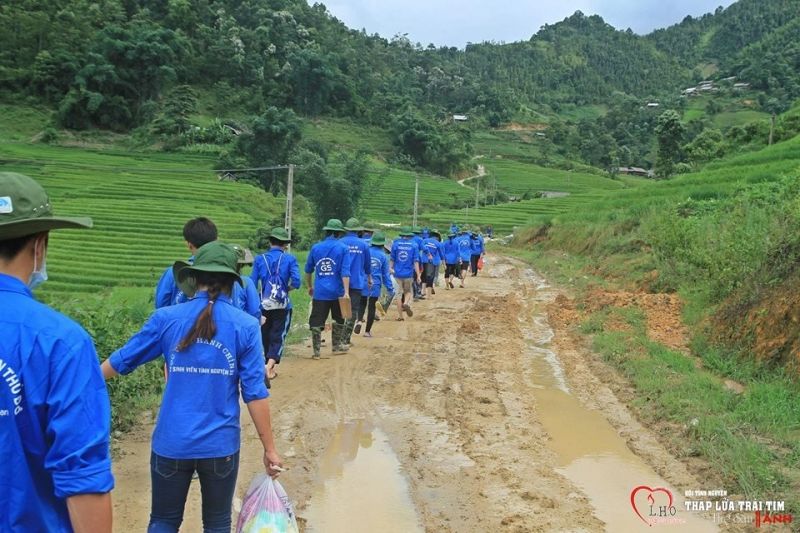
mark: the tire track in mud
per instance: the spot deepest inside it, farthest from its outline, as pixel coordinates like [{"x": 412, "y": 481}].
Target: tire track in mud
[{"x": 455, "y": 392}]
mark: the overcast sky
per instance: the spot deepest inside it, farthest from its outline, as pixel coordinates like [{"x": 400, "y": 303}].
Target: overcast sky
[{"x": 457, "y": 22}]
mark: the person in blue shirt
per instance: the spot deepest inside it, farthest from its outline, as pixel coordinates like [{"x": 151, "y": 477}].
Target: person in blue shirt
[
  {"x": 417, "y": 283},
  {"x": 360, "y": 274},
  {"x": 465, "y": 253},
  {"x": 278, "y": 274},
  {"x": 196, "y": 233},
  {"x": 328, "y": 279},
  {"x": 245, "y": 297},
  {"x": 476, "y": 252},
  {"x": 454, "y": 228},
  {"x": 379, "y": 265},
  {"x": 431, "y": 260},
  {"x": 213, "y": 351},
  {"x": 55, "y": 417},
  {"x": 404, "y": 266},
  {"x": 452, "y": 260}
]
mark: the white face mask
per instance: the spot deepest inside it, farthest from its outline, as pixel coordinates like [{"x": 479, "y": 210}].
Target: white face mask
[{"x": 39, "y": 275}]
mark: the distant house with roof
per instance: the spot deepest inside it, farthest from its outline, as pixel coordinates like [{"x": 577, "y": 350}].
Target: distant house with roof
[
  {"x": 635, "y": 171},
  {"x": 460, "y": 118}
]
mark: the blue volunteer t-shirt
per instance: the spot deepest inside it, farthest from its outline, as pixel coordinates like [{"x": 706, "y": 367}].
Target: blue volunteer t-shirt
[
  {"x": 199, "y": 416},
  {"x": 451, "y": 251},
  {"x": 246, "y": 298},
  {"x": 286, "y": 265},
  {"x": 431, "y": 247},
  {"x": 167, "y": 291},
  {"x": 329, "y": 260},
  {"x": 464, "y": 247},
  {"x": 476, "y": 246},
  {"x": 405, "y": 253},
  {"x": 55, "y": 416},
  {"x": 359, "y": 260},
  {"x": 379, "y": 264}
]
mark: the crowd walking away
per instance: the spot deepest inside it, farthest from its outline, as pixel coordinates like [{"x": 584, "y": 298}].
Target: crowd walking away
[{"x": 220, "y": 336}]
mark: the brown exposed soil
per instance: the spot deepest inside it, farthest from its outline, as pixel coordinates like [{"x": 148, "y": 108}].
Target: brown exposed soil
[
  {"x": 518, "y": 126},
  {"x": 662, "y": 312},
  {"x": 767, "y": 327}
]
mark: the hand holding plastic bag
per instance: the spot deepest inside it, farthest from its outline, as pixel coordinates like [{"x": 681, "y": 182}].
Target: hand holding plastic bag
[{"x": 266, "y": 509}]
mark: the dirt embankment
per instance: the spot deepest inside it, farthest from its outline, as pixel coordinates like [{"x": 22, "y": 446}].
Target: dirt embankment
[{"x": 462, "y": 408}]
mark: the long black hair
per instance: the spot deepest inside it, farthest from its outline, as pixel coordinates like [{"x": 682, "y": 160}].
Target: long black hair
[{"x": 204, "y": 327}]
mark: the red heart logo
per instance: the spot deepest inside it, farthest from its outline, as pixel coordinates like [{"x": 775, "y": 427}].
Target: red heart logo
[{"x": 650, "y": 498}]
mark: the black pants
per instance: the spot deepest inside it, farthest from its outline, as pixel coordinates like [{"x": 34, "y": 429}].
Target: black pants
[
  {"x": 473, "y": 264},
  {"x": 452, "y": 270},
  {"x": 427, "y": 274},
  {"x": 274, "y": 331},
  {"x": 355, "y": 303},
  {"x": 368, "y": 307},
  {"x": 320, "y": 309}
]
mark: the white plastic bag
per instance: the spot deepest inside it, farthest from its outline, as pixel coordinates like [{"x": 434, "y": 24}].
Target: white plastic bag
[{"x": 266, "y": 509}]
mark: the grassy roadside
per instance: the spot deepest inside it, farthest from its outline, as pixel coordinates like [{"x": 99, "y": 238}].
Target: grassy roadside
[{"x": 747, "y": 439}]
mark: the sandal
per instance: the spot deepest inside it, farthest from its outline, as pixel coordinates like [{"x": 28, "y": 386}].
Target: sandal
[{"x": 400, "y": 319}]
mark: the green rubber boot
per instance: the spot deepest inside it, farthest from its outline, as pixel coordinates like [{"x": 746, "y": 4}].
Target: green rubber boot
[
  {"x": 349, "y": 324},
  {"x": 338, "y": 333},
  {"x": 316, "y": 342}
]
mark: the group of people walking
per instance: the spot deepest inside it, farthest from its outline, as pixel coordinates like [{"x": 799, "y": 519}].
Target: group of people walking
[{"x": 221, "y": 336}]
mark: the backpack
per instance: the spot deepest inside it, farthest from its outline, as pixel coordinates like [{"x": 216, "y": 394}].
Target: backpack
[{"x": 273, "y": 293}]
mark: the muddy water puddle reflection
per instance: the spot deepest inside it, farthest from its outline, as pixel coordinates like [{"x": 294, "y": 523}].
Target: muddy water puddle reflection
[
  {"x": 590, "y": 452},
  {"x": 361, "y": 488}
]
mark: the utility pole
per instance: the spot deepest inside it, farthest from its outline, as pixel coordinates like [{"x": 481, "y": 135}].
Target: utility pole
[
  {"x": 416, "y": 201},
  {"x": 289, "y": 198},
  {"x": 771, "y": 129},
  {"x": 477, "y": 190}
]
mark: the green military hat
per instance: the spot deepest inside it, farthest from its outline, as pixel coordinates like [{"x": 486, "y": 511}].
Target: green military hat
[
  {"x": 216, "y": 257},
  {"x": 405, "y": 231},
  {"x": 353, "y": 224},
  {"x": 334, "y": 224},
  {"x": 280, "y": 234},
  {"x": 378, "y": 239},
  {"x": 243, "y": 255},
  {"x": 25, "y": 209}
]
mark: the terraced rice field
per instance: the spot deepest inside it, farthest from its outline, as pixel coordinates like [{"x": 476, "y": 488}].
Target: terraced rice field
[
  {"x": 505, "y": 217},
  {"x": 138, "y": 212},
  {"x": 391, "y": 199}
]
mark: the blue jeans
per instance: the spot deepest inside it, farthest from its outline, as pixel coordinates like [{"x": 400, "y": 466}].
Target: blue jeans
[{"x": 171, "y": 479}]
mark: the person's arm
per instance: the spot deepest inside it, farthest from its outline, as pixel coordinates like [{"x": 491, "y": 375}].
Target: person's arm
[
  {"x": 309, "y": 273},
  {"x": 255, "y": 274},
  {"x": 262, "y": 419},
  {"x": 90, "y": 513},
  {"x": 346, "y": 283},
  {"x": 142, "y": 348},
  {"x": 252, "y": 303},
  {"x": 387, "y": 277},
  {"x": 294, "y": 274},
  {"x": 165, "y": 289},
  {"x": 77, "y": 438},
  {"x": 255, "y": 394}
]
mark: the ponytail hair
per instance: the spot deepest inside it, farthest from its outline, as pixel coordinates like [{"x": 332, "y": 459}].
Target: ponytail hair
[{"x": 204, "y": 327}]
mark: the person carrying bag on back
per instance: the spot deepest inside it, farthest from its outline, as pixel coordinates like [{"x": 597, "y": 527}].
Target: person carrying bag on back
[{"x": 278, "y": 274}]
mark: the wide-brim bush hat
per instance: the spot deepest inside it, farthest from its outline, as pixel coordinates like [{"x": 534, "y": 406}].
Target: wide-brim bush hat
[
  {"x": 25, "y": 209},
  {"x": 243, "y": 255},
  {"x": 280, "y": 234},
  {"x": 334, "y": 224},
  {"x": 405, "y": 231},
  {"x": 214, "y": 257},
  {"x": 378, "y": 239},
  {"x": 353, "y": 224}
]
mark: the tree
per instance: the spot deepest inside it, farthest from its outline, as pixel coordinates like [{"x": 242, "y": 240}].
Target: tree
[{"x": 669, "y": 131}]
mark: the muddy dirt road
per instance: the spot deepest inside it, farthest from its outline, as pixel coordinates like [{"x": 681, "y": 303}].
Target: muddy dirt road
[{"x": 472, "y": 416}]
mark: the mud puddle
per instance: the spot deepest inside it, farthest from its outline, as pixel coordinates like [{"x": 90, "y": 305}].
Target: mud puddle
[
  {"x": 360, "y": 487},
  {"x": 591, "y": 453}
]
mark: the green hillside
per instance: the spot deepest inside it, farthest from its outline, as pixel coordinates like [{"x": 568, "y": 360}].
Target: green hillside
[{"x": 139, "y": 203}]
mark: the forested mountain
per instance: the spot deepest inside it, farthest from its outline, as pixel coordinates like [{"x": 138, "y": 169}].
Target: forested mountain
[
  {"x": 126, "y": 64},
  {"x": 756, "y": 40}
]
